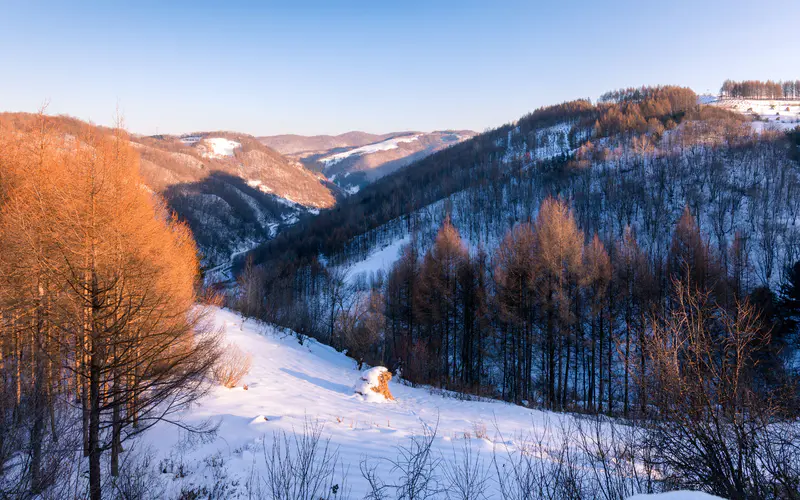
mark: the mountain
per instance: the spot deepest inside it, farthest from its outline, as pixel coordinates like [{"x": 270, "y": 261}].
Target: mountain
[
  {"x": 355, "y": 159},
  {"x": 233, "y": 191},
  {"x": 290, "y": 144}
]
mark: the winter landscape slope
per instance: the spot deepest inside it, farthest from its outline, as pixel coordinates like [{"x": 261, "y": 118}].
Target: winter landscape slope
[
  {"x": 233, "y": 191},
  {"x": 290, "y": 144},
  {"x": 291, "y": 385},
  {"x": 498, "y": 178},
  {"x": 776, "y": 113},
  {"x": 241, "y": 192},
  {"x": 355, "y": 159}
]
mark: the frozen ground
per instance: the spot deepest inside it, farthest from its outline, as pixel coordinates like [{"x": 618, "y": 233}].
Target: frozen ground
[{"x": 290, "y": 384}]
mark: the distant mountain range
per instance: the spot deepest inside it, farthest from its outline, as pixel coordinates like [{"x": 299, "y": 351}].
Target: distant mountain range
[
  {"x": 291, "y": 144},
  {"x": 355, "y": 159}
]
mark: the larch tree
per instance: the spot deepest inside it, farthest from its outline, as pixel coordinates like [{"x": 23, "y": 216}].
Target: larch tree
[
  {"x": 100, "y": 285},
  {"x": 558, "y": 268},
  {"x": 514, "y": 278},
  {"x": 634, "y": 287},
  {"x": 438, "y": 298},
  {"x": 598, "y": 273}
]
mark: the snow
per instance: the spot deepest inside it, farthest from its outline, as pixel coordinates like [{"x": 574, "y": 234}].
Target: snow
[
  {"x": 766, "y": 113},
  {"x": 191, "y": 139},
  {"x": 219, "y": 147},
  {"x": 386, "y": 145},
  {"x": 368, "y": 380},
  {"x": 379, "y": 260},
  {"x": 706, "y": 99},
  {"x": 291, "y": 384},
  {"x": 677, "y": 495},
  {"x": 257, "y": 184},
  {"x": 760, "y": 126},
  {"x": 551, "y": 142}
]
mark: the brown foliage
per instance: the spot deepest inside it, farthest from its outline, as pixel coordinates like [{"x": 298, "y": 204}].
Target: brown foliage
[
  {"x": 98, "y": 285},
  {"x": 231, "y": 366}
]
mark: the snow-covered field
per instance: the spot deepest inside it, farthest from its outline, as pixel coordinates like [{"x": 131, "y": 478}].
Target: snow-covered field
[
  {"x": 290, "y": 384},
  {"x": 766, "y": 113}
]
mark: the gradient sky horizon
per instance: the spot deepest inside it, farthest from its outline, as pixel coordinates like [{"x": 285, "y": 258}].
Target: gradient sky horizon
[{"x": 327, "y": 67}]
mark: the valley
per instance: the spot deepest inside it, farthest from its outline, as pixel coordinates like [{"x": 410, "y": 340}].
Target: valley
[{"x": 399, "y": 251}]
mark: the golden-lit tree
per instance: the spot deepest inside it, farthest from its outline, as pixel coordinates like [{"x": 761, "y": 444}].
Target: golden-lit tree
[
  {"x": 98, "y": 288},
  {"x": 558, "y": 264}
]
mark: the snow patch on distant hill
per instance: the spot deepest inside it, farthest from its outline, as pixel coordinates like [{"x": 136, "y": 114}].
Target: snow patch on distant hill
[
  {"x": 369, "y": 149},
  {"x": 219, "y": 147}
]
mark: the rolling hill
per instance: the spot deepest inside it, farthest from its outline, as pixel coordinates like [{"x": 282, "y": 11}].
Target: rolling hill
[
  {"x": 355, "y": 159},
  {"x": 233, "y": 191}
]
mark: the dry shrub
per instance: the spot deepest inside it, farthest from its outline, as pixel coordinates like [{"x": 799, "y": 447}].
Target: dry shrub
[
  {"x": 232, "y": 365},
  {"x": 383, "y": 385},
  {"x": 479, "y": 429}
]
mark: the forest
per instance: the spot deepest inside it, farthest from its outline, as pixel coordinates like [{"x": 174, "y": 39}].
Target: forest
[
  {"x": 756, "y": 89},
  {"x": 650, "y": 272}
]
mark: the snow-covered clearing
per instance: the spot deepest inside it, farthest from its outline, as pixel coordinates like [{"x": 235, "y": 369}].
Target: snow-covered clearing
[
  {"x": 379, "y": 260},
  {"x": 257, "y": 184},
  {"x": 290, "y": 384},
  {"x": 219, "y": 147},
  {"x": 369, "y": 149},
  {"x": 766, "y": 113}
]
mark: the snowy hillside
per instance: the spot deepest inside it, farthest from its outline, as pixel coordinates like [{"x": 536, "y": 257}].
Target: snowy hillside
[
  {"x": 368, "y": 149},
  {"x": 290, "y": 385},
  {"x": 778, "y": 113},
  {"x": 356, "y": 159},
  {"x": 218, "y": 147}
]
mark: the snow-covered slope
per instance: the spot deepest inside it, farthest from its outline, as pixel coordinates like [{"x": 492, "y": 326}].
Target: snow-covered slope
[
  {"x": 290, "y": 144},
  {"x": 218, "y": 147},
  {"x": 290, "y": 384},
  {"x": 368, "y": 149},
  {"x": 356, "y": 159},
  {"x": 380, "y": 260},
  {"x": 773, "y": 113}
]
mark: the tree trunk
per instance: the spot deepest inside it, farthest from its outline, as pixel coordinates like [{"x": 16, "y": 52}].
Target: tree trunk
[{"x": 94, "y": 426}]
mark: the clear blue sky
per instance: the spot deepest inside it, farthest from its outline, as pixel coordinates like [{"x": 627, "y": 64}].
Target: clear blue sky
[{"x": 320, "y": 67}]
